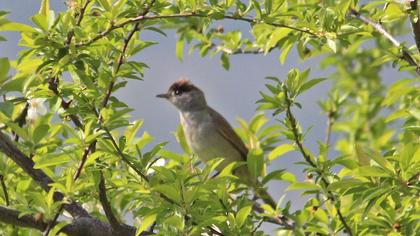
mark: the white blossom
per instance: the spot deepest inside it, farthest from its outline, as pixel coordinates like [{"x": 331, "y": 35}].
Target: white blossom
[{"x": 36, "y": 109}]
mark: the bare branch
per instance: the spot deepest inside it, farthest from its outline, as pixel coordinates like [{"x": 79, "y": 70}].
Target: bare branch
[
  {"x": 115, "y": 224},
  {"x": 406, "y": 56},
  {"x": 81, "y": 226},
  {"x": 11, "y": 217},
  {"x": 24, "y": 162}
]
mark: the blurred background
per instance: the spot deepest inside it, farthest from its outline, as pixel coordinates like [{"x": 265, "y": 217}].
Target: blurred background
[{"x": 233, "y": 93}]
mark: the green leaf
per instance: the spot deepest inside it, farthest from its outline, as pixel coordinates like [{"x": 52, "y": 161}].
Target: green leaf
[
  {"x": 284, "y": 52},
  {"x": 242, "y": 215},
  {"x": 169, "y": 191},
  {"x": 382, "y": 161},
  {"x": 280, "y": 175},
  {"x": 40, "y": 132},
  {"x": 180, "y": 138},
  {"x": 225, "y": 61},
  {"x": 12, "y": 26},
  {"x": 4, "y": 68},
  {"x": 277, "y": 35},
  {"x": 146, "y": 223},
  {"x": 345, "y": 184},
  {"x": 56, "y": 229},
  {"x": 255, "y": 161},
  {"x": 16, "y": 84},
  {"x": 52, "y": 159},
  {"x": 280, "y": 150},
  {"x": 371, "y": 171},
  {"x": 41, "y": 21},
  {"x": 303, "y": 186},
  {"x": 362, "y": 156},
  {"x": 45, "y": 8},
  {"x": 180, "y": 49},
  {"x": 310, "y": 84},
  {"x": 105, "y": 4},
  {"x": 173, "y": 156}
]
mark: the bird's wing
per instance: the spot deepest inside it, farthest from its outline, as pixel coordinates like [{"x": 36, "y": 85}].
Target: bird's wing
[{"x": 228, "y": 133}]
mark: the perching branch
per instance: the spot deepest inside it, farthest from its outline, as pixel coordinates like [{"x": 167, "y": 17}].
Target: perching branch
[
  {"x": 415, "y": 22},
  {"x": 406, "y": 56},
  {"x": 297, "y": 138}
]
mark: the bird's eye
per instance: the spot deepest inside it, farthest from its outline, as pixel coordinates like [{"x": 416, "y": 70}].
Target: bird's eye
[{"x": 177, "y": 92}]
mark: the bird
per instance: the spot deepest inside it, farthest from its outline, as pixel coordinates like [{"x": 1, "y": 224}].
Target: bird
[{"x": 209, "y": 135}]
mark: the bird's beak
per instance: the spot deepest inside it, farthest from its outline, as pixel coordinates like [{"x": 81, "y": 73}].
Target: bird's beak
[{"x": 163, "y": 95}]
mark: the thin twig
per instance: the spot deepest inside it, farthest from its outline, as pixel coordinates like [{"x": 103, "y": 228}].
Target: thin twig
[
  {"x": 53, "y": 86},
  {"x": 185, "y": 15},
  {"x": 83, "y": 160},
  {"x": 6, "y": 194},
  {"x": 78, "y": 22},
  {"x": 306, "y": 156},
  {"x": 406, "y": 56},
  {"x": 21, "y": 120},
  {"x": 123, "y": 51},
  {"x": 412, "y": 178},
  {"x": 123, "y": 157},
  {"x": 330, "y": 123}
]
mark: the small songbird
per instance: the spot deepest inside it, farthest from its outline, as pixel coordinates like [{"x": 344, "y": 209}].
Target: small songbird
[{"x": 208, "y": 134}]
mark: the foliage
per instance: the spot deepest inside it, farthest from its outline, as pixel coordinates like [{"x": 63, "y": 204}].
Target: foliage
[{"x": 73, "y": 62}]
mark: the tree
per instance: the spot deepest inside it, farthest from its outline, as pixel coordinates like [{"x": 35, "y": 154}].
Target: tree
[{"x": 83, "y": 155}]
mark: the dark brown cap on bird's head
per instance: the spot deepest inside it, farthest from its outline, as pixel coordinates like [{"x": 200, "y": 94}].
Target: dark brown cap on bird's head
[{"x": 178, "y": 87}]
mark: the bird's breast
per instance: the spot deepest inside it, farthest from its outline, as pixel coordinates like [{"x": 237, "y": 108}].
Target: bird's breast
[{"x": 204, "y": 139}]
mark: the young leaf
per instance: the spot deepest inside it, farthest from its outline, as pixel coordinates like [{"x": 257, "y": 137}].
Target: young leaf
[
  {"x": 4, "y": 68},
  {"x": 303, "y": 186},
  {"x": 280, "y": 150},
  {"x": 310, "y": 84},
  {"x": 146, "y": 223},
  {"x": 242, "y": 215},
  {"x": 225, "y": 61},
  {"x": 180, "y": 49}
]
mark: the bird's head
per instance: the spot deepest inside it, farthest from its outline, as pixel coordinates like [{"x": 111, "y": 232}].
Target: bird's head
[{"x": 185, "y": 96}]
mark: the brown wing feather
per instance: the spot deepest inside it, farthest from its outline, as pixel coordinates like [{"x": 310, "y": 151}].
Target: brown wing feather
[{"x": 228, "y": 133}]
